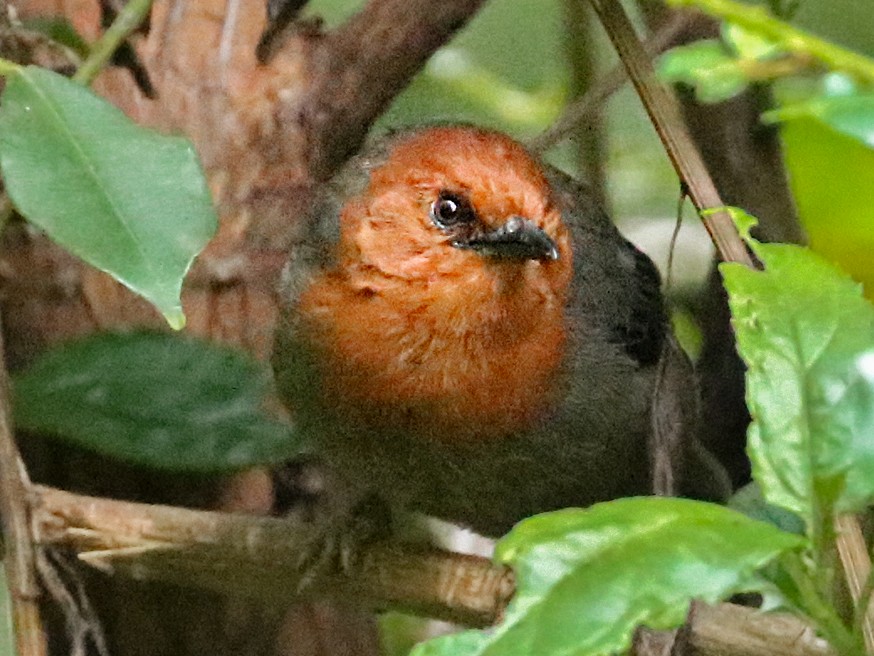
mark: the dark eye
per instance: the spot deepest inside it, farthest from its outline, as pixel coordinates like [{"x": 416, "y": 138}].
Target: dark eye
[{"x": 451, "y": 209}]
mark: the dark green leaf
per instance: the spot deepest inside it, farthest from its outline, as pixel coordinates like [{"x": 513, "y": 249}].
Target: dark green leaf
[
  {"x": 154, "y": 399},
  {"x": 123, "y": 198},
  {"x": 807, "y": 336},
  {"x": 587, "y": 578},
  {"x": 749, "y": 501}
]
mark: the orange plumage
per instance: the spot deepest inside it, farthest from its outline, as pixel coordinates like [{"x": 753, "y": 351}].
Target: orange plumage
[
  {"x": 466, "y": 332},
  {"x": 403, "y": 324}
]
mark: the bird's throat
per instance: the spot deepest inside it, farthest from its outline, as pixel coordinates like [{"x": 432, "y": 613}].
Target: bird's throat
[{"x": 446, "y": 367}]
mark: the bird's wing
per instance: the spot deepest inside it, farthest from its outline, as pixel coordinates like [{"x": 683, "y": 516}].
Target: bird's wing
[{"x": 616, "y": 286}]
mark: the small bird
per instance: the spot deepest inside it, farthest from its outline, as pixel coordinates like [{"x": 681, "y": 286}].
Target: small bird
[{"x": 465, "y": 333}]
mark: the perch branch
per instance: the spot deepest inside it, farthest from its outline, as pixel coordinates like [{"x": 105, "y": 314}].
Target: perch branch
[
  {"x": 259, "y": 558},
  {"x": 362, "y": 65},
  {"x": 19, "y": 557}
]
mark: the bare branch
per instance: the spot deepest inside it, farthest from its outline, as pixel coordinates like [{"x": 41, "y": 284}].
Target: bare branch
[
  {"x": 664, "y": 113},
  {"x": 261, "y": 558},
  {"x": 361, "y": 66},
  {"x": 730, "y": 630},
  {"x": 581, "y": 110},
  {"x": 20, "y": 560},
  {"x": 856, "y": 564}
]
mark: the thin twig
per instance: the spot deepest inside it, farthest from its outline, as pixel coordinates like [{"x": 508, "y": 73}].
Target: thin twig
[
  {"x": 19, "y": 558},
  {"x": 592, "y": 101},
  {"x": 128, "y": 20},
  {"x": 856, "y": 564},
  {"x": 664, "y": 113}
]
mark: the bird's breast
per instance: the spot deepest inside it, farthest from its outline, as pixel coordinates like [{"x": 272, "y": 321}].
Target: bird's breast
[{"x": 440, "y": 366}]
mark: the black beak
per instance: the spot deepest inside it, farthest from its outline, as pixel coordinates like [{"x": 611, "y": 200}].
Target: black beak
[{"x": 517, "y": 239}]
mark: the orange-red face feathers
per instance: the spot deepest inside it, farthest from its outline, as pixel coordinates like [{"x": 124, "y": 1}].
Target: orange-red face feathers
[{"x": 444, "y": 311}]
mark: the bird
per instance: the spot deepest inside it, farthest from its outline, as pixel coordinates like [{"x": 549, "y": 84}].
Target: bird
[{"x": 465, "y": 333}]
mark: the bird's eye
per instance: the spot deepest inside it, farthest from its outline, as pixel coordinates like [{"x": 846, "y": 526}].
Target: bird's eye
[{"x": 451, "y": 209}]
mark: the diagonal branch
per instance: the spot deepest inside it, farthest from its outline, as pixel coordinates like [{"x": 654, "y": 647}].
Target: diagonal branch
[
  {"x": 581, "y": 110},
  {"x": 362, "y": 65},
  {"x": 664, "y": 113}
]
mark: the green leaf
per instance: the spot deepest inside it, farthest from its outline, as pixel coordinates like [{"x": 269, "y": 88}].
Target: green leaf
[
  {"x": 832, "y": 175},
  {"x": 159, "y": 400},
  {"x": 587, "y": 578},
  {"x": 749, "y": 501},
  {"x": 706, "y": 67},
  {"x": 465, "y": 643},
  {"x": 852, "y": 115},
  {"x": 806, "y": 335},
  {"x": 123, "y": 198}
]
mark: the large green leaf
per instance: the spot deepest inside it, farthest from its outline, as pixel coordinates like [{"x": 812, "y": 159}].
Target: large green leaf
[
  {"x": 832, "y": 178},
  {"x": 123, "y": 198},
  {"x": 587, "y": 578},
  {"x": 807, "y": 336},
  {"x": 160, "y": 400}
]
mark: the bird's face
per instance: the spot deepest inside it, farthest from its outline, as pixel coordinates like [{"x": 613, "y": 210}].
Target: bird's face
[
  {"x": 444, "y": 312},
  {"x": 458, "y": 205}
]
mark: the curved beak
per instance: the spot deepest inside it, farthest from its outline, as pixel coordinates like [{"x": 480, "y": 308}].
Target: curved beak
[{"x": 517, "y": 239}]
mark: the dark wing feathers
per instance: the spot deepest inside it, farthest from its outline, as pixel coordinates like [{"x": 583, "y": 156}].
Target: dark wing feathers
[
  {"x": 643, "y": 332},
  {"x": 617, "y": 288}
]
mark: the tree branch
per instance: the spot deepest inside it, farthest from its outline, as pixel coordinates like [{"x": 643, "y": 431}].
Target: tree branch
[
  {"x": 19, "y": 558},
  {"x": 664, "y": 113},
  {"x": 362, "y": 65},
  {"x": 261, "y": 558},
  {"x": 730, "y": 630}
]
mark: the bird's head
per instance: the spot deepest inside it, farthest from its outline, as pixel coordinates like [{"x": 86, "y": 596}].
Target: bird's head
[
  {"x": 458, "y": 205},
  {"x": 444, "y": 310}
]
